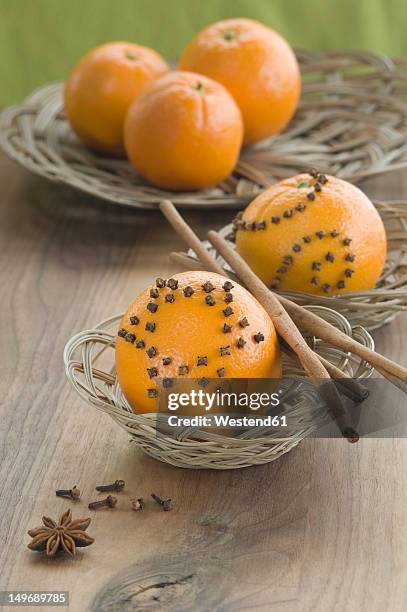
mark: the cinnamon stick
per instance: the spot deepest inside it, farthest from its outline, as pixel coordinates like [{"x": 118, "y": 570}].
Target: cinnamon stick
[
  {"x": 182, "y": 228},
  {"x": 283, "y": 323}
]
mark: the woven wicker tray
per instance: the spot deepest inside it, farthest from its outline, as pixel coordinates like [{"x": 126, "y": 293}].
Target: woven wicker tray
[
  {"x": 89, "y": 366},
  {"x": 352, "y": 122}
]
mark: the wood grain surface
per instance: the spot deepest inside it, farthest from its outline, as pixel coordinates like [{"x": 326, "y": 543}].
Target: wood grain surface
[{"x": 321, "y": 529}]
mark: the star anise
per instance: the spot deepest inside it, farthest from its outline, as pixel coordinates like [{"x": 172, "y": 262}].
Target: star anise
[{"x": 65, "y": 535}]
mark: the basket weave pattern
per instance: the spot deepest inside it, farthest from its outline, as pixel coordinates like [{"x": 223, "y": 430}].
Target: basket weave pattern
[
  {"x": 351, "y": 122},
  {"x": 89, "y": 359}
]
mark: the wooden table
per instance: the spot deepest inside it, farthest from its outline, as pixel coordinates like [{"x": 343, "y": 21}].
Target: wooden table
[{"x": 321, "y": 529}]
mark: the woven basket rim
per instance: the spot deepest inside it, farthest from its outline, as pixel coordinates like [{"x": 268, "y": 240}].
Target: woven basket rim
[
  {"x": 100, "y": 389},
  {"x": 359, "y": 132}
]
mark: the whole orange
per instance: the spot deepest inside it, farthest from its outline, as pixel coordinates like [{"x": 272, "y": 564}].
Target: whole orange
[
  {"x": 256, "y": 65},
  {"x": 313, "y": 233},
  {"x": 183, "y": 132},
  {"x": 101, "y": 87},
  {"x": 195, "y": 325}
]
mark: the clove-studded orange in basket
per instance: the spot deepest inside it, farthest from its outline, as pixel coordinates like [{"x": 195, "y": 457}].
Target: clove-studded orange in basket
[
  {"x": 195, "y": 325},
  {"x": 313, "y": 233}
]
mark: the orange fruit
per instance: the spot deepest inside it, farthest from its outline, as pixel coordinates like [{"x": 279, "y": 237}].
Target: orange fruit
[
  {"x": 313, "y": 233},
  {"x": 256, "y": 65},
  {"x": 101, "y": 87},
  {"x": 195, "y": 326},
  {"x": 183, "y": 132}
]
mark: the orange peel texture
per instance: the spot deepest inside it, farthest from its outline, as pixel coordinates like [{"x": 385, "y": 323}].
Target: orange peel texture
[
  {"x": 195, "y": 326},
  {"x": 313, "y": 233}
]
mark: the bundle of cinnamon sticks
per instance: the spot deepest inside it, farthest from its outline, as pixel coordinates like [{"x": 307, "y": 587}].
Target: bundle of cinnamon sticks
[{"x": 288, "y": 318}]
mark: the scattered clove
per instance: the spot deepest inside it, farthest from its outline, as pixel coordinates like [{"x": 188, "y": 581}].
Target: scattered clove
[
  {"x": 164, "y": 503},
  {"x": 117, "y": 485},
  {"x": 137, "y": 504},
  {"x": 108, "y": 502},
  {"x": 73, "y": 493}
]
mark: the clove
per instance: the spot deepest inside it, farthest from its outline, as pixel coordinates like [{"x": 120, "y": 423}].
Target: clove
[
  {"x": 164, "y": 503},
  {"x": 117, "y": 485},
  {"x": 137, "y": 504},
  {"x": 73, "y": 493},
  {"x": 108, "y": 502}
]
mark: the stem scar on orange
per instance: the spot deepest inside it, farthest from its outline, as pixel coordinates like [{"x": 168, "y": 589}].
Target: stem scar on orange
[
  {"x": 256, "y": 65},
  {"x": 195, "y": 325},
  {"x": 313, "y": 233},
  {"x": 183, "y": 132},
  {"x": 101, "y": 87}
]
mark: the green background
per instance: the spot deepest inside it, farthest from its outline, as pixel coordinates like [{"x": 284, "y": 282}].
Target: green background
[{"x": 40, "y": 40}]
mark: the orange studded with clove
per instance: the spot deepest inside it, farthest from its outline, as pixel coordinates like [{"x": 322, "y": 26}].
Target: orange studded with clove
[
  {"x": 193, "y": 337},
  {"x": 322, "y": 235}
]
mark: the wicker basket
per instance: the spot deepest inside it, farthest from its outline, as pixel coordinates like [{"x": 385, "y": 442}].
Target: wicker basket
[
  {"x": 89, "y": 359},
  {"x": 351, "y": 122}
]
